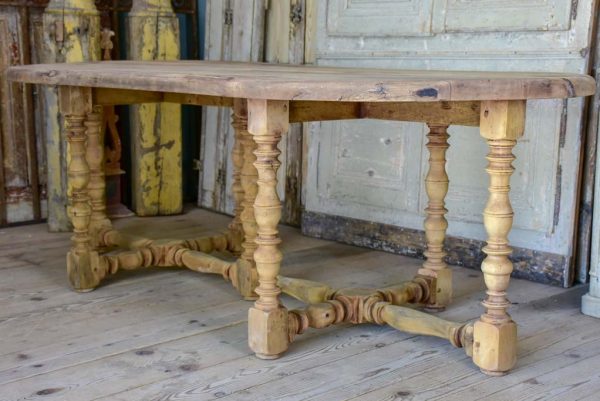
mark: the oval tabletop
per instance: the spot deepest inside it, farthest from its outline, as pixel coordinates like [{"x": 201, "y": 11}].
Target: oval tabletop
[{"x": 287, "y": 82}]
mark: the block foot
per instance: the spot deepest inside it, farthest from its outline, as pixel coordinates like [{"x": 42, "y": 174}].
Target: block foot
[{"x": 268, "y": 333}]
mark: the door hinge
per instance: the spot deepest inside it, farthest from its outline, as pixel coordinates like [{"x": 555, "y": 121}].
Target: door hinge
[{"x": 228, "y": 16}]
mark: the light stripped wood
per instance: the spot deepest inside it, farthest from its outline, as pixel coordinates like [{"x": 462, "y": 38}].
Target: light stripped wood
[
  {"x": 239, "y": 124},
  {"x": 495, "y": 334},
  {"x": 271, "y": 329},
  {"x": 76, "y": 106},
  {"x": 436, "y": 183},
  {"x": 287, "y": 82},
  {"x": 267, "y": 319},
  {"x": 558, "y": 348},
  {"x": 457, "y": 113},
  {"x": 96, "y": 161},
  {"x": 248, "y": 181}
]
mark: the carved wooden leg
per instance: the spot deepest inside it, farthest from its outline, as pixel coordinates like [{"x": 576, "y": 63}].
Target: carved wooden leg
[
  {"x": 97, "y": 184},
  {"x": 81, "y": 259},
  {"x": 436, "y": 184},
  {"x": 247, "y": 276},
  {"x": 267, "y": 319},
  {"x": 239, "y": 124},
  {"x": 495, "y": 334}
]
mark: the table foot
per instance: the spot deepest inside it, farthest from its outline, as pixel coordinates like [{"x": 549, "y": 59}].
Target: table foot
[
  {"x": 83, "y": 270},
  {"x": 268, "y": 333},
  {"x": 495, "y": 346}
]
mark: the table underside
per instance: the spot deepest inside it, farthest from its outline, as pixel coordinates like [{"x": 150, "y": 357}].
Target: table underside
[{"x": 100, "y": 250}]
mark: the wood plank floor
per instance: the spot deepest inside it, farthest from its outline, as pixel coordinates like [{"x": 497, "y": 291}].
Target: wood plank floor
[{"x": 172, "y": 334}]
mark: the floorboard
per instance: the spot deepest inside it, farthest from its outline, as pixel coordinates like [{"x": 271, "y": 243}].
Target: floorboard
[{"x": 172, "y": 334}]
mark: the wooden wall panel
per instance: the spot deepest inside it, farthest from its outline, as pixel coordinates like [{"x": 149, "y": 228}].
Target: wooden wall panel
[
  {"x": 23, "y": 158},
  {"x": 234, "y": 31},
  {"x": 533, "y": 35},
  {"x": 20, "y": 198},
  {"x": 248, "y": 31}
]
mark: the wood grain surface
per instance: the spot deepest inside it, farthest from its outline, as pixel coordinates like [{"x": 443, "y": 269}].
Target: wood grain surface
[
  {"x": 172, "y": 334},
  {"x": 291, "y": 82}
]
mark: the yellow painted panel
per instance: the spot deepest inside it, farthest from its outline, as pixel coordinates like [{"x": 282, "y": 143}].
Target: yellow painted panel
[{"x": 156, "y": 128}]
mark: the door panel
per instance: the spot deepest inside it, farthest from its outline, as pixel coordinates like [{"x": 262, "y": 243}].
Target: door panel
[
  {"x": 507, "y": 15},
  {"x": 234, "y": 32},
  {"x": 379, "y": 18},
  {"x": 20, "y": 192},
  {"x": 374, "y": 171},
  {"x": 243, "y": 30}
]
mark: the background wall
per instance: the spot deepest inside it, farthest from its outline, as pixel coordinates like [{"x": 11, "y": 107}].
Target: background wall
[
  {"x": 323, "y": 162},
  {"x": 363, "y": 181}
]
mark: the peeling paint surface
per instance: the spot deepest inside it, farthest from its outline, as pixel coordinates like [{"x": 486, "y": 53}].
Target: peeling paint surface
[
  {"x": 71, "y": 33},
  {"x": 155, "y": 128},
  {"x": 542, "y": 267}
]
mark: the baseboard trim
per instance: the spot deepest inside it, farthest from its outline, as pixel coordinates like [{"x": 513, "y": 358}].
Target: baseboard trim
[{"x": 541, "y": 267}]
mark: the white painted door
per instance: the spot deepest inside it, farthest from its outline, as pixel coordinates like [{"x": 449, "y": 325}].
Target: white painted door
[
  {"x": 374, "y": 171},
  {"x": 234, "y": 32},
  {"x": 256, "y": 30}
]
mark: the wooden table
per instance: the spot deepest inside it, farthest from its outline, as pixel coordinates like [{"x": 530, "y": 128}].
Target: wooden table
[{"x": 265, "y": 99}]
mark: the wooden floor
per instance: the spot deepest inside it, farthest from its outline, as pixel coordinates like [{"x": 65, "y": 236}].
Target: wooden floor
[{"x": 170, "y": 334}]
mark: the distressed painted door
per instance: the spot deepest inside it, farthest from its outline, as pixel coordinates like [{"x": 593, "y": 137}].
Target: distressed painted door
[
  {"x": 374, "y": 171},
  {"x": 234, "y": 31},
  {"x": 257, "y": 30},
  {"x": 22, "y": 160}
]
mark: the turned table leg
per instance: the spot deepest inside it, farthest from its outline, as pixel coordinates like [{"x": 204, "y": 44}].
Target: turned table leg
[
  {"x": 436, "y": 184},
  {"x": 82, "y": 258},
  {"x": 267, "y": 319},
  {"x": 239, "y": 124},
  {"x": 495, "y": 333},
  {"x": 247, "y": 276},
  {"x": 97, "y": 184}
]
